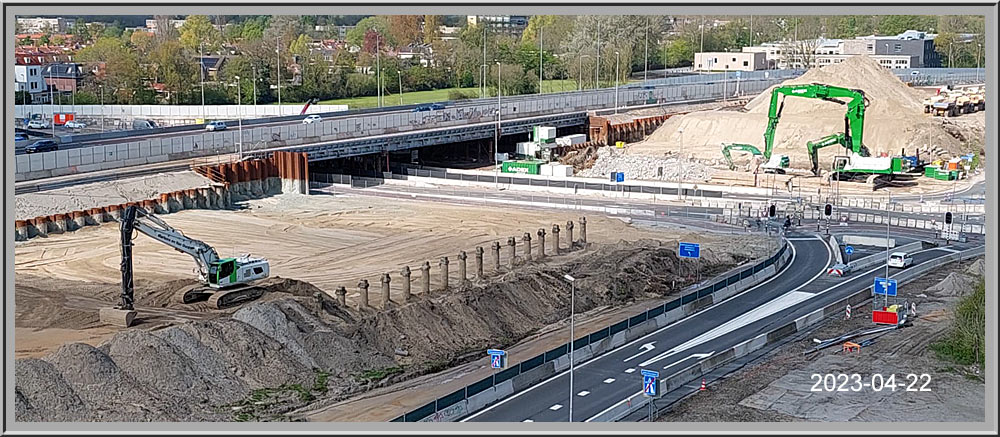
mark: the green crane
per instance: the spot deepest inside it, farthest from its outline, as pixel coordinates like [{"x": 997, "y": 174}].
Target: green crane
[{"x": 854, "y": 121}]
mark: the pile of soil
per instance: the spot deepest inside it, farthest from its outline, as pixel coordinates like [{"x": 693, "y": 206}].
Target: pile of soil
[
  {"x": 894, "y": 121},
  {"x": 293, "y": 345}
]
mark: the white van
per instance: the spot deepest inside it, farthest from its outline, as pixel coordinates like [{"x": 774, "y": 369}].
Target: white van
[{"x": 900, "y": 260}]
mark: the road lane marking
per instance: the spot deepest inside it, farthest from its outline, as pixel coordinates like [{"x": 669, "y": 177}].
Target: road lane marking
[
  {"x": 583, "y": 393},
  {"x": 554, "y": 377},
  {"x": 817, "y": 294},
  {"x": 645, "y": 348},
  {"x": 609, "y": 380},
  {"x": 527, "y": 420},
  {"x": 555, "y": 407},
  {"x": 630, "y": 370},
  {"x": 688, "y": 358}
]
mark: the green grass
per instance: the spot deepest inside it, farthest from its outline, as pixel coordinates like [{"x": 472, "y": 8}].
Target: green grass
[
  {"x": 965, "y": 343},
  {"x": 441, "y": 95}
]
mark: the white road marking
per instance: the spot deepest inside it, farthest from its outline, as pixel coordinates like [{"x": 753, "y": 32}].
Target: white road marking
[
  {"x": 609, "y": 380},
  {"x": 554, "y": 377},
  {"x": 948, "y": 249},
  {"x": 527, "y": 420},
  {"x": 629, "y": 370},
  {"x": 645, "y": 348},
  {"x": 583, "y": 393},
  {"x": 689, "y": 357},
  {"x": 773, "y": 306},
  {"x": 555, "y": 407}
]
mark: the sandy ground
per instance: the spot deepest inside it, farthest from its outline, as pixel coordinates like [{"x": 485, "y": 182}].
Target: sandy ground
[
  {"x": 779, "y": 388},
  {"x": 326, "y": 240},
  {"x": 101, "y": 194}
]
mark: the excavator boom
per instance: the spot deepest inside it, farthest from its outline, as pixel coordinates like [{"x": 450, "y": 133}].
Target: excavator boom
[{"x": 854, "y": 120}]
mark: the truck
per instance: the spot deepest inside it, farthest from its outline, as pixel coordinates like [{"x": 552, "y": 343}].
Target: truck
[{"x": 142, "y": 123}]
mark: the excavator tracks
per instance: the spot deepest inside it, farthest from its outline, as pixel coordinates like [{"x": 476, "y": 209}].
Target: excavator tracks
[{"x": 220, "y": 298}]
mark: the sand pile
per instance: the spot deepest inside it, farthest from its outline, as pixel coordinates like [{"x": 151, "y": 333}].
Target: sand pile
[
  {"x": 894, "y": 120},
  {"x": 283, "y": 351},
  {"x": 100, "y": 194}
]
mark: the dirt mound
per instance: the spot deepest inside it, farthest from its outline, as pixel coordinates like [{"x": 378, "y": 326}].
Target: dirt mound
[
  {"x": 955, "y": 284},
  {"x": 894, "y": 121},
  {"x": 281, "y": 352},
  {"x": 978, "y": 267}
]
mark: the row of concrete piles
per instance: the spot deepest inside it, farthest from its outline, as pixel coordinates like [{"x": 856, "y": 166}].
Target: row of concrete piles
[
  {"x": 215, "y": 197},
  {"x": 528, "y": 254}
]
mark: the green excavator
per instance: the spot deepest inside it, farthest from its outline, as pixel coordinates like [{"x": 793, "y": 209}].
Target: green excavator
[{"x": 857, "y": 160}]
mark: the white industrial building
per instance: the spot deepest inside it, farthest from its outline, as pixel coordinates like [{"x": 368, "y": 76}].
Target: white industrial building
[{"x": 730, "y": 61}]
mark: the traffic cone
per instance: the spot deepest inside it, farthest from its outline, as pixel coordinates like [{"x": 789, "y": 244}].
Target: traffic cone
[{"x": 703, "y": 388}]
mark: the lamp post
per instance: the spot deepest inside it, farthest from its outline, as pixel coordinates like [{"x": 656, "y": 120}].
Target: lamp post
[
  {"x": 399, "y": 75},
  {"x": 888, "y": 212},
  {"x": 579, "y": 85},
  {"x": 645, "y": 71},
  {"x": 496, "y": 141},
  {"x": 101, "y": 87},
  {"x": 572, "y": 337},
  {"x": 979, "y": 50},
  {"x": 201, "y": 63},
  {"x": 52, "y": 101},
  {"x": 540, "y": 28},
  {"x": 239, "y": 108},
  {"x": 277, "y": 49},
  {"x": 378, "y": 71},
  {"x": 255, "y": 90},
  {"x": 617, "y": 75}
]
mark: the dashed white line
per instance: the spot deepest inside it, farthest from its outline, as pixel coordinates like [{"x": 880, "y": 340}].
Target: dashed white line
[
  {"x": 555, "y": 407},
  {"x": 527, "y": 420},
  {"x": 629, "y": 370},
  {"x": 583, "y": 393},
  {"x": 609, "y": 380}
]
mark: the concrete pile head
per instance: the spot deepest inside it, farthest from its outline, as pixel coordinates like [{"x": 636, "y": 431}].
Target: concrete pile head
[
  {"x": 363, "y": 289},
  {"x": 405, "y": 273},
  {"x": 342, "y": 295}
]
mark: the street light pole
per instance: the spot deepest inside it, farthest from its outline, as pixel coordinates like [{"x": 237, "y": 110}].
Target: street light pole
[
  {"x": 201, "y": 63},
  {"x": 579, "y": 85},
  {"x": 52, "y": 101},
  {"x": 979, "y": 50},
  {"x": 572, "y": 337},
  {"x": 645, "y": 71},
  {"x": 540, "y": 33},
  {"x": 102, "y": 107},
  {"x": 255, "y": 90},
  {"x": 399, "y": 75},
  {"x": 888, "y": 214},
  {"x": 239, "y": 108},
  {"x": 378, "y": 72},
  {"x": 617, "y": 75},
  {"x": 496, "y": 141}
]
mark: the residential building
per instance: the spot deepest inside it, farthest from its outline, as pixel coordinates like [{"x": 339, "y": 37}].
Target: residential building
[
  {"x": 446, "y": 33},
  {"x": 211, "y": 66},
  {"x": 44, "y": 54},
  {"x": 28, "y": 77},
  {"x": 730, "y": 61},
  {"x": 40, "y": 25},
  {"x": 333, "y": 31},
  {"x": 510, "y": 24},
  {"x": 422, "y": 52},
  {"x": 152, "y": 25},
  {"x": 64, "y": 77}
]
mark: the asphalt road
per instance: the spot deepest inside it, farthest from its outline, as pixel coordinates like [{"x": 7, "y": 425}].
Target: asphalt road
[{"x": 614, "y": 378}]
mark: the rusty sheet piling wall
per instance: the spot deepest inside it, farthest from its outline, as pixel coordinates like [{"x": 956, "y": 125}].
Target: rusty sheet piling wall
[{"x": 284, "y": 172}]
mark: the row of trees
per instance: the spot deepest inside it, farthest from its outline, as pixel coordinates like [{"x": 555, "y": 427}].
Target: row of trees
[{"x": 585, "y": 49}]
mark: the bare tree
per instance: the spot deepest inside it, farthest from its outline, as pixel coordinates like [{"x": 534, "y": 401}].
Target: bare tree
[{"x": 799, "y": 54}]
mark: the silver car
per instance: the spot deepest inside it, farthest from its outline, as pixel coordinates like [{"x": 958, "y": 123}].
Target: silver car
[{"x": 215, "y": 126}]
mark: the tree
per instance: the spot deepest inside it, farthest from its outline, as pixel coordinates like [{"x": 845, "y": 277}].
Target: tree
[
  {"x": 117, "y": 64},
  {"x": 114, "y": 30},
  {"x": 431, "y": 24},
  {"x": 403, "y": 29},
  {"x": 254, "y": 29},
  {"x": 300, "y": 46},
  {"x": 142, "y": 41},
  {"x": 165, "y": 30},
  {"x": 198, "y": 30},
  {"x": 356, "y": 36},
  {"x": 679, "y": 53},
  {"x": 513, "y": 81},
  {"x": 22, "y": 98},
  {"x": 80, "y": 31},
  {"x": 175, "y": 70}
]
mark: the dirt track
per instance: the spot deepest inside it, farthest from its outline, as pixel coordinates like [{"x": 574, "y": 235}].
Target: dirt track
[{"x": 327, "y": 241}]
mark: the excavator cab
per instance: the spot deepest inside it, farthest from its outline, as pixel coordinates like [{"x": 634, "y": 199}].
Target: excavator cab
[{"x": 222, "y": 272}]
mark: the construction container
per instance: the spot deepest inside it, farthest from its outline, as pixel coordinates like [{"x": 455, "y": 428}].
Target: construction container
[
  {"x": 527, "y": 148},
  {"x": 545, "y": 169},
  {"x": 562, "y": 170},
  {"x": 544, "y": 134},
  {"x": 524, "y": 167},
  {"x": 570, "y": 140},
  {"x": 953, "y": 165}
]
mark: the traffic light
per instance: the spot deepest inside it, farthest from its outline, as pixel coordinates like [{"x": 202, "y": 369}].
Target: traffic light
[
  {"x": 828, "y": 210},
  {"x": 772, "y": 211},
  {"x": 947, "y": 218}
]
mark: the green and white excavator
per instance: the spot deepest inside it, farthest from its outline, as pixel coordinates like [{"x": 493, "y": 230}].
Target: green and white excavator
[{"x": 857, "y": 159}]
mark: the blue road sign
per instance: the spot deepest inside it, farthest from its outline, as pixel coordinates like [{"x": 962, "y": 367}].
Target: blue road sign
[
  {"x": 650, "y": 383},
  {"x": 498, "y": 358},
  {"x": 737, "y": 74},
  {"x": 614, "y": 176},
  {"x": 886, "y": 287},
  {"x": 689, "y": 250},
  {"x": 619, "y": 177},
  {"x": 849, "y": 250}
]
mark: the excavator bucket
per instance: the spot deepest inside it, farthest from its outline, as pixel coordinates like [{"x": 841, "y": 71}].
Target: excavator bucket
[{"x": 117, "y": 317}]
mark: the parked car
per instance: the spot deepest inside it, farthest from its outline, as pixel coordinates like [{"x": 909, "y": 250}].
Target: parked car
[
  {"x": 312, "y": 119},
  {"x": 436, "y": 106},
  {"x": 73, "y": 124},
  {"x": 213, "y": 126},
  {"x": 20, "y": 137},
  {"x": 431, "y": 107},
  {"x": 900, "y": 260},
  {"x": 141, "y": 123},
  {"x": 38, "y": 124},
  {"x": 42, "y": 146}
]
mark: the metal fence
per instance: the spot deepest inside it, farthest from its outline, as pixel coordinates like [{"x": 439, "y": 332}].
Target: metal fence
[{"x": 608, "y": 331}]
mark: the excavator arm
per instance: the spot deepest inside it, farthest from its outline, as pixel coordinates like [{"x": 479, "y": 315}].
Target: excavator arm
[
  {"x": 814, "y": 146},
  {"x": 741, "y": 147},
  {"x": 854, "y": 120},
  {"x": 155, "y": 228}
]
